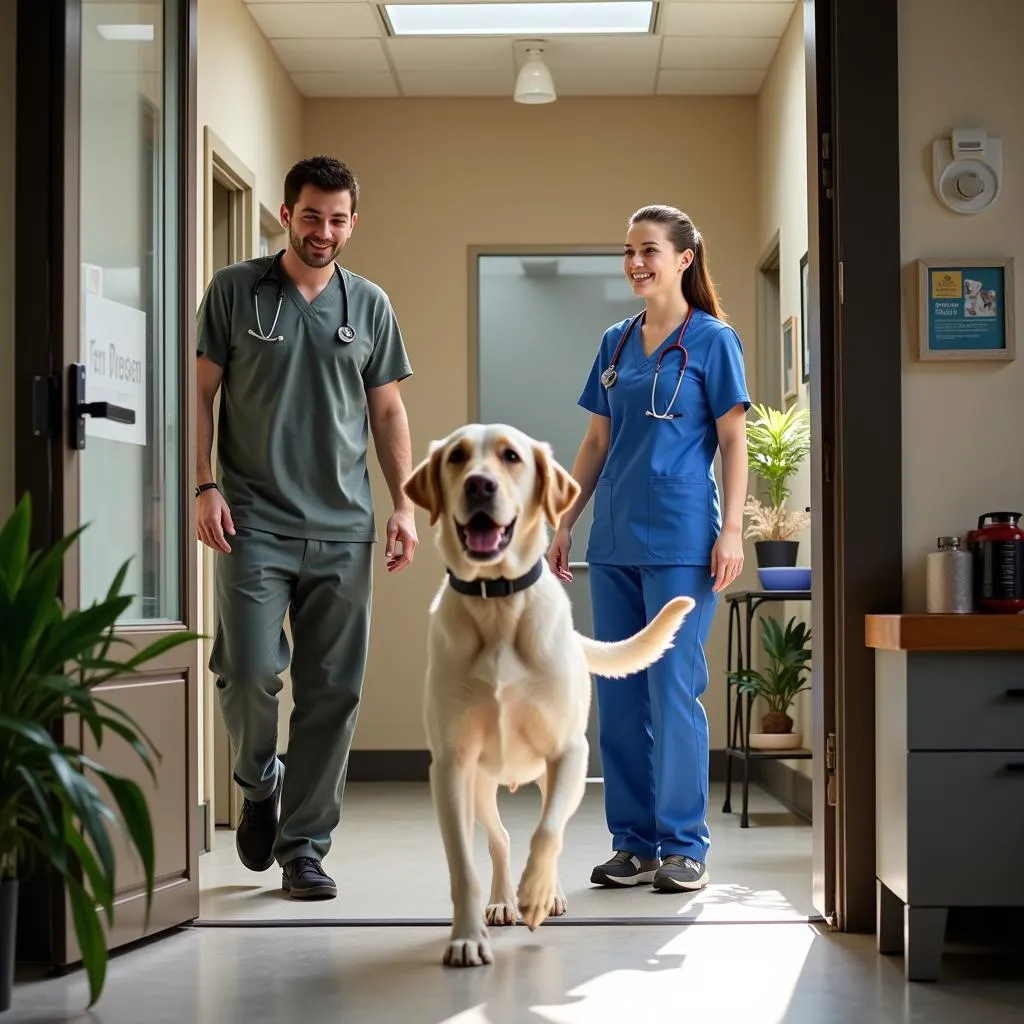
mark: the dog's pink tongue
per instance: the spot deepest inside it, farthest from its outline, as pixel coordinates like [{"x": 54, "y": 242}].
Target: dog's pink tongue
[{"x": 483, "y": 540}]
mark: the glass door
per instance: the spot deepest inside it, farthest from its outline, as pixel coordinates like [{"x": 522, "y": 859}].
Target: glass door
[{"x": 110, "y": 429}]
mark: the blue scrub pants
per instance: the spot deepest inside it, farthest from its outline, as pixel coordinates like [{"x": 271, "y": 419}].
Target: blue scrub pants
[{"x": 654, "y": 731}]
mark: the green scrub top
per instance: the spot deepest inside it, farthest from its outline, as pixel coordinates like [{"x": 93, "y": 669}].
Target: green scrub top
[{"x": 293, "y": 426}]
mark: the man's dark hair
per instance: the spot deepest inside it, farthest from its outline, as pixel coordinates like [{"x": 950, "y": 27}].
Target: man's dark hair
[{"x": 322, "y": 172}]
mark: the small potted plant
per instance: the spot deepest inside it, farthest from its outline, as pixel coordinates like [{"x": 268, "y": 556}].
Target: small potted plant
[
  {"x": 784, "y": 677},
  {"x": 777, "y": 443},
  {"x": 52, "y": 814}
]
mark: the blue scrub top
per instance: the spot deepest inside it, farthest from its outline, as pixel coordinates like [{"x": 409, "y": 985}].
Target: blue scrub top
[{"x": 656, "y": 500}]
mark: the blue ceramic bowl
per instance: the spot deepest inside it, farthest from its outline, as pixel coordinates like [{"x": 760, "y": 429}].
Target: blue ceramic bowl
[{"x": 785, "y": 577}]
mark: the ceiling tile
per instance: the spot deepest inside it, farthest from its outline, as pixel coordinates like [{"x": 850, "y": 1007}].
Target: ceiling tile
[
  {"x": 449, "y": 55},
  {"x": 316, "y": 20},
  {"x": 344, "y": 55},
  {"x": 592, "y": 53},
  {"x": 455, "y": 83},
  {"x": 726, "y": 18},
  {"x": 328, "y": 83},
  {"x": 709, "y": 83},
  {"x": 605, "y": 82},
  {"x": 725, "y": 53}
]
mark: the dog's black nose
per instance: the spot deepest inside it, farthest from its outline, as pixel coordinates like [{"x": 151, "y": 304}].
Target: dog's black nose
[{"x": 480, "y": 485}]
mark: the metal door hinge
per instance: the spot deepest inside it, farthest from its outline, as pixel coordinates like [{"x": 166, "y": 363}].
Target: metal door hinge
[
  {"x": 841, "y": 283},
  {"x": 831, "y": 795}
]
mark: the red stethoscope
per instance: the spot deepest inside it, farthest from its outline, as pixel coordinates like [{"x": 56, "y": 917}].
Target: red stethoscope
[{"x": 610, "y": 376}]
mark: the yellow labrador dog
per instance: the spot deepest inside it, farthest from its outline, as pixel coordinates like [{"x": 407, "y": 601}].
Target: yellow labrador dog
[{"x": 508, "y": 678}]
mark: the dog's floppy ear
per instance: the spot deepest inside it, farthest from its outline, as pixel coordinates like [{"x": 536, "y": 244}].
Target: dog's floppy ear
[
  {"x": 423, "y": 487},
  {"x": 558, "y": 490}
]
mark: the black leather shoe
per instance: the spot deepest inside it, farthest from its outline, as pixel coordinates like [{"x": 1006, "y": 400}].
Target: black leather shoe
[
  {"x": 304, "y": 879},
  {"x": 257, "y": 830}
]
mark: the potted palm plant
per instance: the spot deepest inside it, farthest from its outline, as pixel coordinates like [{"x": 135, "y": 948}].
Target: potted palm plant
[
  {"x": 52, "y": 813},
  {"x": 777, "y": 443},
  {"x": 784, "y": 677}
]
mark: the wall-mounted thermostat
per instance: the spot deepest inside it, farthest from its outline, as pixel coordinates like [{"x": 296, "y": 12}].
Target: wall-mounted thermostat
[{"x": 967, "y": 169}]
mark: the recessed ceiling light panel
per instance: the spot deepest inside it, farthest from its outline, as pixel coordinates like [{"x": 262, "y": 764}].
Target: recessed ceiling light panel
[{"x": 520, "y": 19}]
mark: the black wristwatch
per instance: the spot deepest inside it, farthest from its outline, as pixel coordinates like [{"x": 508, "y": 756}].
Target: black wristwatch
[{"x": 206, "y": 487}]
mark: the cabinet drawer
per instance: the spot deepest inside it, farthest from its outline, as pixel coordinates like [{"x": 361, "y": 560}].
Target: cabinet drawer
[
  {"x": 965, "y": 701},
  {"x": 965, "y": 829}
]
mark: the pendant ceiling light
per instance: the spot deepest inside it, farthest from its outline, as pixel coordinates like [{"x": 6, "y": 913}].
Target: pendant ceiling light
[{"x": 534, "y": 84}]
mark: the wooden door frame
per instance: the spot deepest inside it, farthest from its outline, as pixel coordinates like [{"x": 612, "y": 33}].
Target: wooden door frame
[
  {"x": 221, "y": 165},
  {"x": 47, "y": 327},
  {"x": 853, "y": 147}
]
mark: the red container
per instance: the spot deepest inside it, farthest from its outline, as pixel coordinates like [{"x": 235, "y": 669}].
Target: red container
[{"x": 997, "y": 547}]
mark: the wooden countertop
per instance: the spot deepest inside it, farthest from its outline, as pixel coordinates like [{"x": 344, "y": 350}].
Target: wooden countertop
[{"x": 945, "y": 632}]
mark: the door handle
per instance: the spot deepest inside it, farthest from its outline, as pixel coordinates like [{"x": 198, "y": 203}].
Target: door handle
[{"x": 80, "y": 408}]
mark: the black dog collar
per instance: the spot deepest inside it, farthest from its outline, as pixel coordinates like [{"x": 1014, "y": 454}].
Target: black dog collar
[{"x": 499, "y": 587}]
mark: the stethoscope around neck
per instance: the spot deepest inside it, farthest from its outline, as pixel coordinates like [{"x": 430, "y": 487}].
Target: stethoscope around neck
[
  {"x": 611, "y": 375},
  {"x": 346, "y": 333}
]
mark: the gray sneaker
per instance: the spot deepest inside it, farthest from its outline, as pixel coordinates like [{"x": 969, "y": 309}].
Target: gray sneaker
[
  {"x": 625, "y": 868},
  {"x": 678, "y": 872}
]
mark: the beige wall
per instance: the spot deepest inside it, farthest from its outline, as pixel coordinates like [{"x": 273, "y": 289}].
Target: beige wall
[
  {"x": 249, "y": 102},
  {"x": 782, "y": 212},
  {"x": 8, "y": 71},
  {"x": 441, "y": 175},
  {"x": 961, "y": 422}
]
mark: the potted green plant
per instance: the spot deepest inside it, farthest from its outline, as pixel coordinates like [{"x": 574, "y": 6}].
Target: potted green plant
[
  {"x": 52, "y": 814},
  {"x": 777, "y": 443},
  {"x": 785, "y": 676}
]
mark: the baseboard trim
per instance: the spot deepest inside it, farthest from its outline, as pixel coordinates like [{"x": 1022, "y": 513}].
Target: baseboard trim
[
  {"x": 414, "y": 766},
  {"x": 389, "y": 766}
]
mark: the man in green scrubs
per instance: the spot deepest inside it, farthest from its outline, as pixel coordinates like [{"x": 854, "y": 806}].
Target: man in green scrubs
[{"x": 305, "y": 377}]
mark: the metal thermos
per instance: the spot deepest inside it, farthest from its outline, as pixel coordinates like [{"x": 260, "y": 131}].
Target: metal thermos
[{"x": 950, "y": 579}]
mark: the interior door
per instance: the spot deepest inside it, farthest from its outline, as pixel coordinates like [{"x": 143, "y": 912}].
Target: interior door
[{"x": 105, "y": 225}]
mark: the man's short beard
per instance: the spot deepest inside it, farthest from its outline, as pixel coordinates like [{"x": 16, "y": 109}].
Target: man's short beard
[{"x": 311, "y": 260}]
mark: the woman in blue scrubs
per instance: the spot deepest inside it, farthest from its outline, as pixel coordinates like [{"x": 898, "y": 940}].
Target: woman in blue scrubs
[{"x": 667, "y": 390}]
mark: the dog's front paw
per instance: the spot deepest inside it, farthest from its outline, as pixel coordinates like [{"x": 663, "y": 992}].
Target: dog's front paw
[
  {"x": 560, "y": 905},
  {"x": 502, "y": 913},
  {"x": 469, "y": 952},
  {"x": 538, "y": 892}
]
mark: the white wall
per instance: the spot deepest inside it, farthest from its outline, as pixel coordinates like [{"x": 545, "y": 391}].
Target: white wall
[{"x": 961, "y": 422}]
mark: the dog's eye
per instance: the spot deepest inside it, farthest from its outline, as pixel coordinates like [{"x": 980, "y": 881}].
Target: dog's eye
[
  {"x": 510, "y": 455},
  {"x": 457, "y": 455}
]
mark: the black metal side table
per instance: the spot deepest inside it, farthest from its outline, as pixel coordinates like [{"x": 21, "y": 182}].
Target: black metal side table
[{"x": 737, "y": 717}]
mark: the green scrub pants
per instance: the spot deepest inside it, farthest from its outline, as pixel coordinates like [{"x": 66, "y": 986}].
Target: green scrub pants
[{"x": 326, "y": 586}]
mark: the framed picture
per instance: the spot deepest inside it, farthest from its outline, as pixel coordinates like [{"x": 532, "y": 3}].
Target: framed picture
[
  {"x": 965, "y": 309},
  {"x": 789, "y": 357},
  {"x": 805, "y": 344}
]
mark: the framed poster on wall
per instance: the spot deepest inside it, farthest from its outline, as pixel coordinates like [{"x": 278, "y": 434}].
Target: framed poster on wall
[
  {"x": 966, "y": 309},
  {"x": 789, "y": 357}
]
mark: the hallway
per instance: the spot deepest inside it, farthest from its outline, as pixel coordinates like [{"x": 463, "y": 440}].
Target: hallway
[{"x": 758, "y": 874}]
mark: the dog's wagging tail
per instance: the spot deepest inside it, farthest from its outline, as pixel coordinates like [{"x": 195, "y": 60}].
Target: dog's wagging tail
[{"x": 624, "y": 657}]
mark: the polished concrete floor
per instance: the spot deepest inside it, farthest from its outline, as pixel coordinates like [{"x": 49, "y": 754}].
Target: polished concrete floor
[
  {"x": 742, "y": 951},
  {"x": 760, "y": 873},
  {"x": 714, "y": 973}
]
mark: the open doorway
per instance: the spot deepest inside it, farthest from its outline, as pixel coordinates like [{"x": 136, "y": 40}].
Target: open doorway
[
  {"x": 228, "y": 236},
  {"x": 436, "y": 236}
]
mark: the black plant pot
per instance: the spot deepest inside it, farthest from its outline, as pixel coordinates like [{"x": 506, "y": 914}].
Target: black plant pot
[
  {"x": 771, "y": 553},
  {"x": 8, "y": 934}
]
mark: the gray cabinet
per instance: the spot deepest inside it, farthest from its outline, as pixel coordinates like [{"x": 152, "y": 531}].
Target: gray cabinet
[{"x": 949, "y": 781}]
